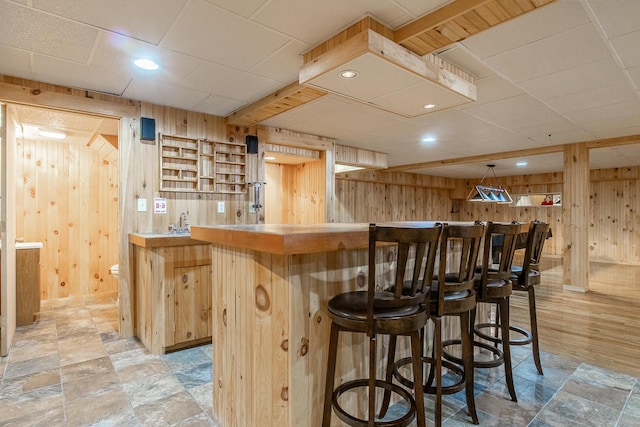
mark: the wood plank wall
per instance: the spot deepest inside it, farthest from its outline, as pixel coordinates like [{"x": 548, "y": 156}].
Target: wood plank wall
[
  {"x": 67, "y": 198},
  {"x": 614, "y": 205},
  {"x": 294, "y": 194}
]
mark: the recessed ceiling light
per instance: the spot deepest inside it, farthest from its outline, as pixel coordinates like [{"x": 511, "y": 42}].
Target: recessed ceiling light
[
  {"x": 429, "y": 139},
  {"x": 521, "y": 164},
  {"x": 146, "y": 64},
  {"x": 54, "y": 135},
  {"x": 269, "y": 158},
  {"x": 348, "y": 74},
  {"x": 429, "y": 106}
]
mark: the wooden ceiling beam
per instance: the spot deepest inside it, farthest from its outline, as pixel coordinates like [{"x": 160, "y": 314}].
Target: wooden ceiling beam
[{"x": 436, "y": 18}]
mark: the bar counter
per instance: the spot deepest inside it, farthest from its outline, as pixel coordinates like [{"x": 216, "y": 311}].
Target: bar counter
[{"x": 271, "y": 285}]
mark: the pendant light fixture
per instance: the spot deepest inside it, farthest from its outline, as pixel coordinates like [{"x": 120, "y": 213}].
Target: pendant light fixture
[{"x": 488, "y": 193}]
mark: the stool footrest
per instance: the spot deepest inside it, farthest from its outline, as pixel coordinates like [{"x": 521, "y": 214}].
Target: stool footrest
[
  {"x": 527, "y": 336},
  {"x": 499, "y": 360},
  {"x": 449, "y": 389},
  {"x": 353, "y": 421}
]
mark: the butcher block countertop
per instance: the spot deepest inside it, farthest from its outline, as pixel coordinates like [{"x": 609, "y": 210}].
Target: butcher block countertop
[
  {"x": 158, "y": 240},
  {"x": 288, "y": 239}
]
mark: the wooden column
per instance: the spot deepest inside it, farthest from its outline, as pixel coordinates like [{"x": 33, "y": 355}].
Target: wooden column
[{"x": 575, "y": 218}]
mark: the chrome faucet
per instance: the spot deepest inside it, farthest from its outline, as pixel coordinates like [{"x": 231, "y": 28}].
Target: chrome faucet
[{"x": 183, "y": 226}]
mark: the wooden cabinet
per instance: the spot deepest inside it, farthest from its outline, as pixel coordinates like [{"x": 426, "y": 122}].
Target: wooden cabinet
[
  {"x": 172, "y": 296},
  {"x": 27, "y": 282},
  {"x": 193, "y": 165}
]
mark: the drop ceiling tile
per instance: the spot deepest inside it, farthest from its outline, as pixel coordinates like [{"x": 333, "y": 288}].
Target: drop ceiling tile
[
  {"x": 572, "y": 81},
  {"x": 608, "y": 112},
  {"x": 627, "y": 48},
  {"x": 616, "y": 17},
  {"x": 373, "y": 122},
  {"x": 219, "y": 105},
  {"x": 206, "y": 31},
  {"x": 571, "y": 49},
  {"x": 592, "y": 98},
  {"x": 329, "y": 109},
  {"x": 117, "y": 52},
  {"x": 494, "y": 88},
  {"x": 15, "y": 62},
  {"x": 314, "y": 22},
  {"x": 284, "y": 64},
  {"x": 244, "y": 8},
  {"x": 230, "y": 83},
  {"x": 72, "y": 74},
  {"x": 26, "y": 28},
  {"x": 158, "y": 93},
  {"x": 142, "y": 20},
  {"x": 503, "y": 109},
  {"x": 547, "y": 21},
  {"x": 634, "y": 74},
  {"x": 461, "y": 58},
  {"x": 422, "y": 7}
]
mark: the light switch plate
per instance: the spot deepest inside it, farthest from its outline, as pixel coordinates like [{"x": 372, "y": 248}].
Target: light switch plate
[
  {"x": 142, "y": 205},
  {"x": 220, "y": 207}
]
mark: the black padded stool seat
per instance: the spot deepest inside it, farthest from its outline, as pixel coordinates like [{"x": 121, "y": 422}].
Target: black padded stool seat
[{"x": 392, "y": 313}]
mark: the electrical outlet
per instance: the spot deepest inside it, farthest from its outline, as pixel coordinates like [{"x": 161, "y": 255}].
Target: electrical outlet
[
  {"x": 142, "y": 205},
  {"x": 220, "y": 207}
]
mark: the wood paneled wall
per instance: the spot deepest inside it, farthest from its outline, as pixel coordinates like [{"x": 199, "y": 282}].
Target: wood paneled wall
[
  {"x": 614, "y": 205},
  {"x": 67, "y": 198},
  {"x": 295, "y": 194}
]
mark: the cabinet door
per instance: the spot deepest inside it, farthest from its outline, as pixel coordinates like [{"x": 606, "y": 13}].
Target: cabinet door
[{"x": 192, "y": 303}]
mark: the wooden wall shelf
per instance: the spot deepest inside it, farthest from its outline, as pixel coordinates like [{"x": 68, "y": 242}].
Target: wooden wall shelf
[{"x": 198, "y": 165}]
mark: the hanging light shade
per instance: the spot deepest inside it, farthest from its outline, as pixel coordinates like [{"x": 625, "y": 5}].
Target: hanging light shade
[{"x": 487, "y": 193}]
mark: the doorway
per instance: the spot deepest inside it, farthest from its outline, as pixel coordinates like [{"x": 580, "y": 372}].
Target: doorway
[{"x": 67, "y": 198}]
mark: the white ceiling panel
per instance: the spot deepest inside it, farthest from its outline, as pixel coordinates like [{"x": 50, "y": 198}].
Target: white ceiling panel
[
  {"x": 592, "y": 98},
  {"x": 155, "y": 92},
  {"x": 143, "y": 20},
  {"x": 459, "y": 55},
  {"x": 563, "y": 51},
  {"x": 422, "y": 7},
  {"x": 573, "y": 81},
  {"x": 494, "y": 88},
  {"x": 545, "y": 22},
  {"x": 244, "y": 8},
  {"x": 634, "y": 75},
  {"x": 503, "y": 109},
  {"x": 627, "y": 47},
  {"x": 15, "y": 62},
  {"x": 607, "y": 112},
  {"x": 230, "y": 83},
  {"x": 215, "y": 34},
  {"x": 218, "y": 105},
  {"x": 117, "y": 52},
  {"x": 616, "y": 17},
  {"x": 67, "y": 73},
  {"x": 283, "y": 65},
  {"x": 28, "y": 29}
]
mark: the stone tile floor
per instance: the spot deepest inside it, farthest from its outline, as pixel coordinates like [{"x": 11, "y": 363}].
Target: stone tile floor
[{"x": 71, "y": 368}]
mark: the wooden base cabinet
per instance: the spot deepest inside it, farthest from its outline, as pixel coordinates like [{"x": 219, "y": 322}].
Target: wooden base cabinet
[{"x": 172, "y": 296}]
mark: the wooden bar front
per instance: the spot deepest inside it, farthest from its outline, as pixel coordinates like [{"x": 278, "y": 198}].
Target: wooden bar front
[{"x": 271, "y": 285}]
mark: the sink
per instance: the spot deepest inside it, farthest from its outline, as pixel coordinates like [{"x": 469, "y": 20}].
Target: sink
[{"x": 178, "y": 233}]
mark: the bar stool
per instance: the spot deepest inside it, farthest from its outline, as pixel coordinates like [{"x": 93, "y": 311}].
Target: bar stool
[
  {"x": 524, "y": 278},
  {"x": 493, "y": 285},
  {"x": 374, "y": 312},
  {"x": 452, "y": 294}
]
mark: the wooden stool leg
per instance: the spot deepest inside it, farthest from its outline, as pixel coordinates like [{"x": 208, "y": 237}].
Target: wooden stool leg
[
  {"x": 506, "y": 347},
  {"x": 534, "y": 329},
  {"x": 418, "y": 377},
  {"x": 466, "y": 336},
  {"x": 371, "y": 418},
  {"x": 391, "y": 357},
  {"x": 437, "y": 368},
  {"x": 331, "y": 373}
]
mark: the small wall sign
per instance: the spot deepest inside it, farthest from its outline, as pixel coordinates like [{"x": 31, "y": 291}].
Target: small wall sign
[{"x": 160, "y": 205}]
